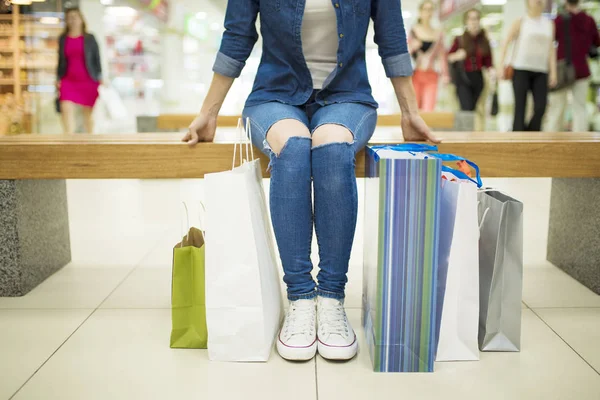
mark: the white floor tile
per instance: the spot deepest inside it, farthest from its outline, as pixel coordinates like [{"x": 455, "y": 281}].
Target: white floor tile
[
  {"x": 28, "y": 338},
  {"x": 144, "y": 288},
  {"x": 579, "y": 327},
  {"x": 71, "y": 287},
  {"x": 125, "y": 354},
  {"x": 549, "y": 286},
  {"x": 546, "y": 368}
]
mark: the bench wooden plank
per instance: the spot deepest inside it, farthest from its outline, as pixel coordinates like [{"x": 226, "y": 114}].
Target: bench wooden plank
[
  {"x": 434, "y": 119},
  {"x": 163, "y": 156}
]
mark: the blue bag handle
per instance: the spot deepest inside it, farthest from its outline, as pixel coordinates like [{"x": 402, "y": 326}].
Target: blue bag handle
[
  {"x": 460, "y": 174},
  {"x": 408, "y": 147},
  {"x": 416, "y": 147}
]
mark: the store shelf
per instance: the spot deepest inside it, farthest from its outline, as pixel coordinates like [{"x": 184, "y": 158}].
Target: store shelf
[{"x": 40, "y": 66}]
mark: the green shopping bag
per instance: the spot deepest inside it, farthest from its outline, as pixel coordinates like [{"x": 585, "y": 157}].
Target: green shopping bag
[{"x": 187, "y": 293}]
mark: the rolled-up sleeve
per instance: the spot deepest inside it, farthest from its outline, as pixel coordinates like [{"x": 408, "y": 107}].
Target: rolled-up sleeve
[
  {"x": 390, "y": 37},
  {"x": 239, "y": 37}
]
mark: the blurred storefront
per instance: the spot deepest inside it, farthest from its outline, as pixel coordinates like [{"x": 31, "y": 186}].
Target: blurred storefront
[{"x": 157, "y": 58}]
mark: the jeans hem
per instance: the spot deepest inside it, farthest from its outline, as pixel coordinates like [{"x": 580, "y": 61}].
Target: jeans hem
[
  {"x": 304, "y": 296},
  {"x": 331, "y": 295}
]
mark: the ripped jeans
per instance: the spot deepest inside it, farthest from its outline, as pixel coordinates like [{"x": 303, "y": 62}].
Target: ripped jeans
[{"x": 328, "y": 172}]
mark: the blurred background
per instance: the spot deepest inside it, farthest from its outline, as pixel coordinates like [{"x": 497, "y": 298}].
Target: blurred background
[{"x": 157, "y": 57}]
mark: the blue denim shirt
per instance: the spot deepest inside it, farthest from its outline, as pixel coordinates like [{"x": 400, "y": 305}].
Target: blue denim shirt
[{"x": 283, "y": 74}]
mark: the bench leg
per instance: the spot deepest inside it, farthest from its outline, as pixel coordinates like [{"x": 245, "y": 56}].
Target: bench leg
[
  {"x": 574, "y": 233},
  {"x": 34, "y": 233}
]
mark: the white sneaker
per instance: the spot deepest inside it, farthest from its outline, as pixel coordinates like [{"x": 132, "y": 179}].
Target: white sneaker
[
  {"x": 298, "y": 336},
  {"x": 336, "y": 338}
]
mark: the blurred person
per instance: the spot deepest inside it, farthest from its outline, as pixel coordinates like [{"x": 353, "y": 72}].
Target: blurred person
[
  {"x": 426, "y": 45},
  {"x": 79, "y": 71},
  {"x": 533, "y": 64},
  {"x": 583, "y": 35},
  {"x": 311, "y": 110},
  {"x": 474, "y": 53}
]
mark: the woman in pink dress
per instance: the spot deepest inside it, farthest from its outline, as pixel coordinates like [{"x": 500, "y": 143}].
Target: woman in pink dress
[{"x": 79, "y": 72}]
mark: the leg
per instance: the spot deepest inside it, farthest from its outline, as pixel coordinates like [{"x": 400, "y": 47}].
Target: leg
[
  {"x": 281, "y": 131},
  {"x": 429, "y": 94},
  {"x": 477, "y": 86},
  {"x": 540, "y": 100},
  {"x": 88, "y": 122},
  {"x": 416, "y": 79},
  {"x": 339, "y": 131},
  {"x": 580, "y": 115},
  {"x": 67, "y": 112},
  {"x": 464, "y": 97},
  {"x": 520, "y": 88},
  {"x": 557, "y": 102}
]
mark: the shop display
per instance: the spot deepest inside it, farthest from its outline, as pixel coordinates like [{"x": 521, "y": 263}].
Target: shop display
[
  {"x": 28, "y": 59},
  {"x": 133, "y": 50}
]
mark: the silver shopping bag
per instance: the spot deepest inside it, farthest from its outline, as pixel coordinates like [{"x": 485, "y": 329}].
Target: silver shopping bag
[{"x": 500, "y": 271}]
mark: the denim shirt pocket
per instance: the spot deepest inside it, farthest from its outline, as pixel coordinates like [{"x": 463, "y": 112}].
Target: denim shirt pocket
[
  {"x": 361, "y": 7},
  {"x": 269, "y": 6}
]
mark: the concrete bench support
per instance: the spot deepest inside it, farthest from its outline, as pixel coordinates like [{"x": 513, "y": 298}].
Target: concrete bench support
[
  {"x": 574, "y": 234},
  {"x": 34, "y": 233}
]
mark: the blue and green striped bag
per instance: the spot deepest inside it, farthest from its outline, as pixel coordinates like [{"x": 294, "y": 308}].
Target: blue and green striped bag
[{"x": 402, "y": 203}]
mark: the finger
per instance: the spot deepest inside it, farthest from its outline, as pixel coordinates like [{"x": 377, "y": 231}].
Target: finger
[
  {"x": 432, "y": 138},
  {"x": 193, "y": 140},
  {"x": 187, "y": 137}
]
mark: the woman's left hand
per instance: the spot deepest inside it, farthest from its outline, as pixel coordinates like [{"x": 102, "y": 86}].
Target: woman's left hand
[
  {"x": 552, "y": 81},
  {"x": 414, "y": 129}
]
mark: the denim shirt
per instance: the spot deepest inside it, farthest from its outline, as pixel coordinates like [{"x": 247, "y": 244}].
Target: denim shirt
[{"x": 283, "y": 75}]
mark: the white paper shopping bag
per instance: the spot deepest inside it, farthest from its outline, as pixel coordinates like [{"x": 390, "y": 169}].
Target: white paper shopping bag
[
  {"x": 243, "y": 299},
  {"x": 458, "y": 273}
]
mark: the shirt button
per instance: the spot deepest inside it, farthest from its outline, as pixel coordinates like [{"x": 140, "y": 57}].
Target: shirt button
[
  {"x": 341, "y": 35},
  {"x": 341, "y": 65},
  {"x": 337, "y": 5}
]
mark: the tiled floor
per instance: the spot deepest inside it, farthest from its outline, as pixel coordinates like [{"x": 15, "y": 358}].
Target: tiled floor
[{"x": 99, "y": 328}]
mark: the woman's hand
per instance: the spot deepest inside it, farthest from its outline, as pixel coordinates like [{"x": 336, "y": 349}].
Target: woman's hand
[
  {"x": 414, "y": 129},
  {"x": 202, "y": 129},
  {"x": 458, "y": 55},
  {"x": 552, "y": 80}
]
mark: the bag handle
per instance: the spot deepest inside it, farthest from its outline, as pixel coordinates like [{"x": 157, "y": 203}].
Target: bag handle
[
  {"x": 408, "y": 147},
  {"x": 244, "y": 137},
  {"x": 414, "y": 147},
  {"x": 459, "y": 174},
  {"x": 187, "y": 218},
  {"x": 187, "y": 232},
  {"x": 452, "y": 157}
]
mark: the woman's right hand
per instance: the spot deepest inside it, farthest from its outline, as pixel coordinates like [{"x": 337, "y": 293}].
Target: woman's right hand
[
  {"x": 460, "y": 55},
  {"x": 202, "y": 129}
]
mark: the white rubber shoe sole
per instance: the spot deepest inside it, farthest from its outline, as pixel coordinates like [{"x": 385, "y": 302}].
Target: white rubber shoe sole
[
  {"x": 340, "y": 353},
  {"x": 296, "y": 353}
]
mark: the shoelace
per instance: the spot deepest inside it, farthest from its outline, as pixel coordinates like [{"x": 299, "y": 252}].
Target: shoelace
[
  {"x": 332, "y": 320},
  {"x": 298, "y": 319}
]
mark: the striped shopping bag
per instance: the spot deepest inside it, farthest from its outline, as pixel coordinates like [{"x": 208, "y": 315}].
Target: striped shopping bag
[{"x": 402, "y": 203}]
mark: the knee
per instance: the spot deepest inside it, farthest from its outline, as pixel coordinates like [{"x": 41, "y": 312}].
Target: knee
[
  {"x": 280, "y": 133},
  {"x": 331, "y": 133}
]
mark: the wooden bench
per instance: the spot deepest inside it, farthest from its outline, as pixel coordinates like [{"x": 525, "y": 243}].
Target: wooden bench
[
  {"x": 437, "y": 120},
  {"x": 33, "y": 201}
]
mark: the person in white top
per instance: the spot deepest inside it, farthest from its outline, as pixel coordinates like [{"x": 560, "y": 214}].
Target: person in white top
[
  {"x": 320, "y": 40},
  {"x": 533, "y": 64}
]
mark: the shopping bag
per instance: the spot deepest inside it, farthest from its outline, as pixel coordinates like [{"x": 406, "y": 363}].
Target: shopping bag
[
  {"x": 458, "y": 270},
  {"x": 402, "y": 201},
  {"x": 113, "y": 102},
  {"x": 500, "y": 271},
  {"x": 188, "y": 310},
  {"x": 243, "y": 297}
]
